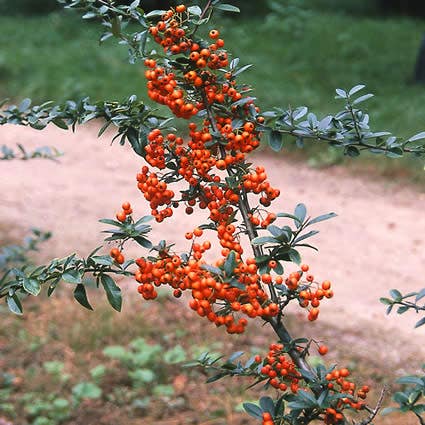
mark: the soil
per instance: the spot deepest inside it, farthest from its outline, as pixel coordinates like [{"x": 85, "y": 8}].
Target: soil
[{"x": 376, "y": 243}]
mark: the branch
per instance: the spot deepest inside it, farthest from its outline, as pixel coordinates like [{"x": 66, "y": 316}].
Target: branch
[{"x": 373, "y": 412}]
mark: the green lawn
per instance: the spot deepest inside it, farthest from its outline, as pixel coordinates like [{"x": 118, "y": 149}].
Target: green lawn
[{"x": 298, "y": 60}]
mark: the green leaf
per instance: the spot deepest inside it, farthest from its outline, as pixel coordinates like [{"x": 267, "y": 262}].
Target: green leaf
[
  {"x": 267, "y": 405},
  {"x": 396, "y": 294},
  {"x": 25, "y": 104},
  {"x": 418, "y": 136},
  {"x": 402, "y": 309},
  {"x": 300, "y": 213},
  {"x": 116, "y": 26},
  {"x": 341, "y": 93},
  {"x": 295, "y": 256},
  {"x": 355, "y": 89},
  {"x": 274, "y": 230},
  {"x": 32, "y": 286},
  {"x": 352, "y": 151},
  {"x": 261, "y": 240},
  {"x": 253, "y": 410},
  {"x": 235, "y": 356},
  {"x": 389, "y": 410},
  {"x": 228, "y": 8},
  {"x": 103, "y": 260},
  {"x": 86, "y": 390},
  {"x": 60, "y": 123},
  {"x": 322, "y": 218},
  {"x": 142, "y": 376},
  {"x": 420, "y": 322},
  {"x": 216, "y": 377},
  {"x": 230, "y": 263},
  {"x": 385, "y": 301},
  {"x": 162, "y": 390},
  {"x": 211, "y": 269},
  {"x": 80, "y": 295},
  {"x": 154, "y": 13},
  {"x": 195, "y": 10},
  {"x": 145, "y": 243},
  {"x": 362, "y": 98},
  {"x": 286, "y": 215},
  {"x": 175, "y": 355},
  {"x": 14, "y": 304},
  {"x": 420, "y": 295},
  {"x": 415, "y": 380},
  {"x": 72, "y": 276},
  {"x": 98, "y": 372},
  {"x": 113, "y": 292},
  {"x": 116, "y": 352},
  {"x": 275, "y": 140},
  {"x": 309, "y": 398}
]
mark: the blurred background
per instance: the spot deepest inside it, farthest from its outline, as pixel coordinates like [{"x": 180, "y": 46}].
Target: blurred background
[{"x": 308, "y": 48}]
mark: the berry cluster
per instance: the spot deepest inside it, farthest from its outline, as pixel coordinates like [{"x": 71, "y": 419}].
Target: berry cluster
[
  {"x": 283, "y": 375},
  {"x": 213, "y": 296}
]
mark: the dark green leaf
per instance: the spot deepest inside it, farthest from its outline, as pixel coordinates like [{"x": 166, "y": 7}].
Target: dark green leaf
[
  {"x": 420, "y": 322},
  {"x": 72, "y": 276},
  {"x": 146, "y": 243},
  {"x": 253, "y": 410},
  {"x": 80, "y": 295},
  {"x": 267, "y": 404},
  {"x": 385, "y": 301},
  {"x": 415, "y": 380},
  {"x": 300, "y": 213},
  {"x": 195, "y": 10},
  {"x": 352, "y": 151},
  {"x": 32, "y": 286},
  {"x": 212, "y": 269},
  {"x": 261, "y": 240},
  {"x": 113, "y": 292},
  {"x": 295, "y": 256},
  {"x": 275, "y": 140},
  {"x": 235, "y": 356},
  {"x": 396, "y": 294},
  {"x": 227, "y": 8},
  {"x": 274, "y": 230},
  {"x": 321, "y": 218},
  {"x": 230, "y": 263},
  {"x": 216, "y": 377},
  {"x": 14, "y": 304},
  {"x": 116, "y": 26},
  {"x": 420, "y": 295},
  {"x": 362, "y": 98}
]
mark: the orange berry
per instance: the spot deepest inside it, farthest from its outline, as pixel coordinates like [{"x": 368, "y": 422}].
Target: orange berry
[
  {"x": 323, "y": 350},
  {"x": 214, "y": 34},
  {"x": 121, "y": 216},
  {"x": 304, "y": 267},
  {"x": 198, "y": 232}
]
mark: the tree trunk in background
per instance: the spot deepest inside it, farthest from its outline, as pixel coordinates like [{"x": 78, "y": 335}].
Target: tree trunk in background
[
  {"x": 420, "y": 63},
  {"x": 414, "y": 8}
]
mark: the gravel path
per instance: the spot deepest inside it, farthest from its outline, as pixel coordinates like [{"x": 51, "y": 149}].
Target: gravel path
[{"x": 376, "y": 243}]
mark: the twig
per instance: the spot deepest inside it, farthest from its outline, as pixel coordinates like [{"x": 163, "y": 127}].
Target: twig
[{"x": 373, "y": 412}]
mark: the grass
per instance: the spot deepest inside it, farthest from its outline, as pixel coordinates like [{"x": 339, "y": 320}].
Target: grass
[
  {"x": 59, "y": 334},
  {"x": 298, "y": 60}
]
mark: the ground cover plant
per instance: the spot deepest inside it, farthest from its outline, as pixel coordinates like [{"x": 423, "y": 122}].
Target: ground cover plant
[{"x": 195, "y": 77}]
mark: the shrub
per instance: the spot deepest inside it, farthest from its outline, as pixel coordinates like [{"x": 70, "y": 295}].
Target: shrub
[{"x": 259, "y": 271}]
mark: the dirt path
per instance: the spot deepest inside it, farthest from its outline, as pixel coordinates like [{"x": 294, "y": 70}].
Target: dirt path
[{"x": 376, "y": 243}]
